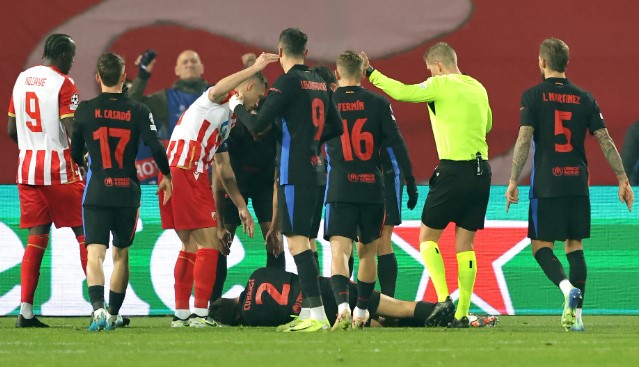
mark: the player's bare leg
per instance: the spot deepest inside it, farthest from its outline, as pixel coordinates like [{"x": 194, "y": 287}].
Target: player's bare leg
[
  {"x": 30, "y": 274},
  {"x": 341, "y": 250},
  {"x": 95, "y": 283},
  {"x": 543, "y": 252},
  {"x": 118, "y": 284},
  {"x": 308, "y": 272},
  {"x": 577, "y": 276},
  {"x": 467, "y": 272},
  {"x": 386, "y": 262},
  {"x": 366, "y": 275}
]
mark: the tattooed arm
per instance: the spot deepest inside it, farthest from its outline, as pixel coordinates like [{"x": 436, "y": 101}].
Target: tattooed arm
[
  {"x": 522, "y": 147},
  {"x": 614, "y": 160},
  {"x": 520, "y": 155}
]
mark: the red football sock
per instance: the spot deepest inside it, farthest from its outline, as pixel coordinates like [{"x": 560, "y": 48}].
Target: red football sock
[
  {"x": 30, "y": 270},
  {"x": 83, "y": 253},
  {"x": 183, "y": 274},
  {"x": 204, "y": 272}
]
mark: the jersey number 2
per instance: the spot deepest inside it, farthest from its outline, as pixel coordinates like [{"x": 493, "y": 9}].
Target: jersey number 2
[
  {"x": 561, "y": 129},
  {"x": 358, "y": 140},
  {"x": 32, "y": 108},
  {"x": 102, "y": 134},
  {"x": 279, "y": 298}
]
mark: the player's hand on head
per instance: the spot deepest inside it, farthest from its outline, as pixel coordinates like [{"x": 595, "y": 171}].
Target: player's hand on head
[
  {"x": 626, "y": 195},
  {"x": 273, "y": 240},
  {"x": 512, "y": 194},
  {"x": 225, "y": 239},
  {"x": 265, "y": 59},
  {"x": 248, "y": 225},
  {"x": 235, "y": 101},
  {"x": 365, "y": 58},
  {"x": 248, "y": 59},
  {"x": 413, "y": 193},
  {"x": 165, "y": 186}
]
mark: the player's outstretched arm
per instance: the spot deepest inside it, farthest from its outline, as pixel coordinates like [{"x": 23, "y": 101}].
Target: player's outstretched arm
[
  {"x": 149, "y": 135},
  {"x": 614, "y": 160},
  {"x": 273, "y": 237},
  {"x": 394, "y": 140},
  {"x": 219, "y": 92},
  {"x": 77, "y": 139},
  {"x": 225, "y": 171},
  {"x": 423, "y": 92},
  {"x": 522, "y": 147}
]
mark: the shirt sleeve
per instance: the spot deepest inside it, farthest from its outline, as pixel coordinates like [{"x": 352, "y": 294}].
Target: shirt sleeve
[
  {"x": 422, "y": 92},
  {"x": 12, "y": 109},
  {"x": 224, "y": 147},
  {"x": 393, "y": 138},
  {"x": 596, "y": 119},
  {"x": 274, "y": 105},
  {"x": 526, "y": 110},
  {"x": 77, "y": 139},
  {"x": 149, "y": 134},
  {"x": 68, "y": 98}
]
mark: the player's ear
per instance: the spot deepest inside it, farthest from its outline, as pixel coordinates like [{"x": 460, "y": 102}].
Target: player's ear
[
  {"x": 305, "y": 53},
  {"x": 279, "y": 52},
  {"x": 337, "y": 75},
  {"x": 97, "y": 78}
]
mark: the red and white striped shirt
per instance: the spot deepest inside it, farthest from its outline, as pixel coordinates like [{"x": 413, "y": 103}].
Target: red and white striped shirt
[
  {"x": 42, "y": 97},
  {"x": 198, "y": 133}
]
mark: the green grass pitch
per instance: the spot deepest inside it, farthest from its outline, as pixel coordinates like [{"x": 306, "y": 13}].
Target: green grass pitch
[{"x": 149, "y": 341}]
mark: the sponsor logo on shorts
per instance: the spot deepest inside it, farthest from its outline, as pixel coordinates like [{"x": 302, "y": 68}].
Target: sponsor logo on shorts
[
  {"x": 352, "y": 177},
  {"x": 361, "y": 177},
  {"x": 108, "y": 182},
  {"x": 565, "y": 171}
]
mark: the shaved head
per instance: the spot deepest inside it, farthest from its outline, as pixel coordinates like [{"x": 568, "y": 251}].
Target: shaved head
[{"x": 189, "y": 65}]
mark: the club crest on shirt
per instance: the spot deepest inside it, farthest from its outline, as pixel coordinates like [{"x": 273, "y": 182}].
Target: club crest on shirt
[{"x": 75, "y": 100}]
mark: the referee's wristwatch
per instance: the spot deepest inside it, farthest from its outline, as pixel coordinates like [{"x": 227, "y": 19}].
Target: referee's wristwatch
[{"x": 369, "y": 71}]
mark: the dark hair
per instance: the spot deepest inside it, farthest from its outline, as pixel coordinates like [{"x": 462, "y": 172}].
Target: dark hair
[
  {"x": 110, "y": 68},
  {"x": 260, "y": 78},
  {"x": 226, "y": 311},
  {"x": 326, "y": 74},
  {"x": 556, "y": 53},
  {"x": 293, "y": 42},
  {"x": 443, "y": 53},
  {"x": 350, "y": 63},
  {"x": 57, "y": 44}
]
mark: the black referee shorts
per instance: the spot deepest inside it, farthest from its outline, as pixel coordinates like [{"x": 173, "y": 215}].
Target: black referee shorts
[
  {"x": 261, "y": 194},
  {"x": 101, "y": 221},
  {"x": 457, "y": 194},
  {"x": 300, "y": 207},
  {"x": 361, "y": 222},
  {"x": 559, "y": 219},
  {"x": 393, "y": 189}
]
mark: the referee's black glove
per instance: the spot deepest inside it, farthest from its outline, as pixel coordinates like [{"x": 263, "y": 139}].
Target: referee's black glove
[{"x": 413, "y": 194}]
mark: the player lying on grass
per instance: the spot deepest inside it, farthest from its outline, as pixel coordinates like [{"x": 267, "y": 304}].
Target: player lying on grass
[{"x": 273, "y": 297}]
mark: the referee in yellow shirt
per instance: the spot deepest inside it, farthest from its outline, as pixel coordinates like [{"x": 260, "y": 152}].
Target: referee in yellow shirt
[{"x": 460, "y": 186}]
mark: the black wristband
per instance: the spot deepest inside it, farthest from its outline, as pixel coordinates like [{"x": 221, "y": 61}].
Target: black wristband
[
  {"x": 369, "y": 71},
  {"x": 143, "y": 74}
]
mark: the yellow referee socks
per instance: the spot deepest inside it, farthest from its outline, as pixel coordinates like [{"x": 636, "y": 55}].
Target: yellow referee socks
[
  {"x": 467, "y": 271},
  {"x": 435, "y": 266}
]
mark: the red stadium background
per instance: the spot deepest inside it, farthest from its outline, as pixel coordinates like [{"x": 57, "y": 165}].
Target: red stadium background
[{"x": 496, "y": 41}]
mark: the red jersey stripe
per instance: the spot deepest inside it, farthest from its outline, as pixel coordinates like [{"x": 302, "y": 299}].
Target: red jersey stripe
[
  {"x": 26, "y": 163},
  {"x": 39, "y": 167},
  {"x": 55, "y": 168},
  {"x": 202, "y": 132},
  {"x": 69, "y": 166}
]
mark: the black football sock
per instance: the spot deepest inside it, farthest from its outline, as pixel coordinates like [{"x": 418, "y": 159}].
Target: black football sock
[
  {"x": 115, "y": 302},
  {"x": 422, "y": 311},
  {"x": 220, "y": 278},
  {"x": 387, "y": 273},
  {"x": 340, "y": 285},
  {"x": 308, "y": 273},
  {"x": 364, "y": 293},
  {"x": 96, "y": 296},
  {"x": 550, "y": 265},
  {"x": 276, "y": 262},
  {"x": 578, "y": 272}
]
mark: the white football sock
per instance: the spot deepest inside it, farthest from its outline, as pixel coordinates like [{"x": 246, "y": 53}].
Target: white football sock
[
  {"x": 26, "y": 310},
  {"x": 318, "y": 313},
  {"x": 565, "y": 287},
  {"x": 359, "y": 313},
  {"x": 305, "y": 313},
  {"x": 182, "y": 314},
  {"x": 202, "y": 312},
  {"x": 344, "y": 306},
  {"x": 578, "y": 313}
]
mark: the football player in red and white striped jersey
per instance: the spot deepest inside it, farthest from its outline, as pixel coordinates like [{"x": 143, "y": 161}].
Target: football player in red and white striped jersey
[
  {"x": 191, "y": 210},
  {"x": 41, "y": 113}
]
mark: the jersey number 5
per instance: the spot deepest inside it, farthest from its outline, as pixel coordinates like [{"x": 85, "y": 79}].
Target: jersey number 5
[
  {"x": 102, "y": 134},
  {"x": 32, "y": 108},
  {"x": 561, "y": 129},
  {"x": 362, "y": 142},
  {"x": 279, "y": 298}
]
